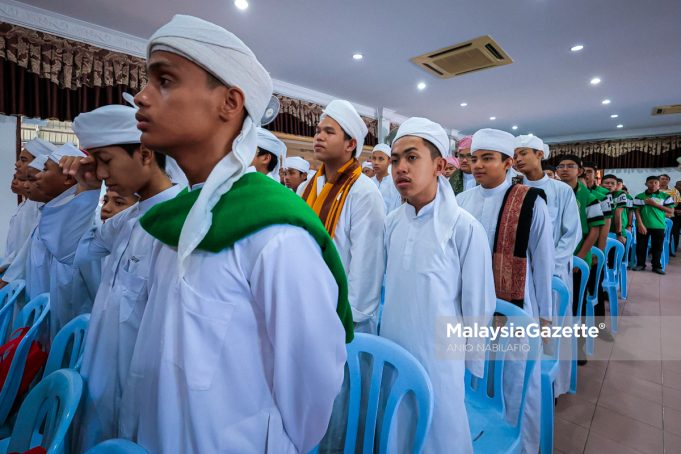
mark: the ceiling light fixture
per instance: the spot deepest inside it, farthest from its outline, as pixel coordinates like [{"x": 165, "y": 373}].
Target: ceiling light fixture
[
  {"x": 605, "y": 102},
  {"x": 463, "y": 104},
  {"x": 577, "y": 48},
  {"x": 514, "y": 127},
  {"x": 614, "y": 116},
  {"x": 241, "y": 4},
  {"x": 492, "y": 118},
  {"x": 595, "y": 81},
  {"x": 620, "y": 126},
  {"x": 421, "y": 86},
  {"x": 357, "y": 56}
]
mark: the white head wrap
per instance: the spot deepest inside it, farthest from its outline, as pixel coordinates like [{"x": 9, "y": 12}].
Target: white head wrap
[
  {"x": 348, "y": 119},
  {"x": 532, "y": 142},
  {"x": 39, "y": 162},
  {"x": 547, "y": 151},
  {"x": 39, "y": 147},
  {"x": 66, "y": 150},
  {"x": 493, "y": 140},
  {"x": 427, "y": 130},
  {"x": 383, "y": 148},
  {"x": 298, "y": 163},
  {"x": 367, "y": 165},
  {"x": 269, "y": 142},
  {"x": 227, "y": 58},
  {"x": 108, "y": 125}
]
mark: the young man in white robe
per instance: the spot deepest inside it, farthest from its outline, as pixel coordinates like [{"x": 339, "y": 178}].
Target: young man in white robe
[
  {"x": 116, "y": 157},
  {"x": 271, "y": 154},
  {"x": 429, "y": 241},
  {"x": 492, "y": 157},
  {"x": 297, "y": 171},
  {"x": 380, "y": 161},
  {"x": 567, "y": 230},
  {"x": 232, "y": 355}
]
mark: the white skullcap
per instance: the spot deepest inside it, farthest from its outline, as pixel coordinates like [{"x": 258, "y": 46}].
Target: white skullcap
[
  {"x": 367, "y": 165},
  {"x": 108, "y": 125},
  {"x": 227, "y": 58},
  {"x": 348, "y": 119},
  {"x": 493, "y": 140},
  {"x": 533, "y": 142},
  {"x": 298, "y": 163},
  {"x": 39, "y": 162},
  {"x": 269, "y": 142},
  {"x": 383, "y": 148},
  {"x": 39, "y": 147},
  {"x": 66, "y": 150},
  {"x": 547, "y": 151},
  {"x": 427, "y": 130}
]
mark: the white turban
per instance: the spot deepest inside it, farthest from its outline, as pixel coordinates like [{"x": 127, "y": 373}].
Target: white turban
[
  {"x": 383, "y": 148},
  {"x": 39, "y": 162},
  {"x": 108, "y": 125},
  {"x": 367, "y": 165},
  {"x": 66, "y": 150},
  {"x": 547, "y": 151},
  {"x": 227, "y": 58},
  {"x": 39, "y": 147},
  {"x": 493, "y": 140},
  {"x": 269, "y": 142},
  {"x": 298, "y": 163},
  {"x": 348, "y": 119},
  {"x": 532, "y": 142},
  {"x": 427, "y": 130}
]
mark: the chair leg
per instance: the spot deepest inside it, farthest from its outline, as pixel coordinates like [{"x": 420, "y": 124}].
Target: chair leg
[
  {"x": 547, "y": 409},
  {"x": 573, "y": 373},
  {"x": 614, "y": 308}
]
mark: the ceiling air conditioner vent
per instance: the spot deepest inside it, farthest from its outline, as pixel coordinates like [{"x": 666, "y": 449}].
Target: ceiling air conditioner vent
[
  {"x": 667, "y": 110},
  {"x": 475, "y": 55}
]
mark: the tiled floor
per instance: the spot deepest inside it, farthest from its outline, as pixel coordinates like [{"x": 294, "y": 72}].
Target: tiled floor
[{"x": 631, "y": 406}]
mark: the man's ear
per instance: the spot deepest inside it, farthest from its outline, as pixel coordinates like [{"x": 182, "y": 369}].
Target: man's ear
[
  {"x": 232, "y": 104},
  {"x": 351, "y": 146},
  {"x": 508, "y": 162},
  {"x": 440, "y": 165},
  {"x": 146, "y": 154}
]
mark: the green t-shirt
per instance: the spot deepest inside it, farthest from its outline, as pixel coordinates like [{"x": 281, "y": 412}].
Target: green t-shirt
[
  {"x": 651, "y": 216},
  {"x": 590, "y": 214},
  {"x": 605, "y": 199},
  {"x": 619, "y": 199}
]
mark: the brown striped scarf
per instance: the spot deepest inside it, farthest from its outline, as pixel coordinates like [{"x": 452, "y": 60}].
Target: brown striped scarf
[{"x": 329, "y": 203}]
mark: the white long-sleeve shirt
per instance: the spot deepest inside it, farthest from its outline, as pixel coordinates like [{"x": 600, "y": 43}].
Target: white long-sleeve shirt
[{"x": 391, "y": 197}]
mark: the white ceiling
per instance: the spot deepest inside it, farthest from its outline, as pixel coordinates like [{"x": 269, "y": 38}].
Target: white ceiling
[{"x": 632, "y": 45}]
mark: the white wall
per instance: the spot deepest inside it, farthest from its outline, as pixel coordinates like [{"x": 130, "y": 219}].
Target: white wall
[
  {"x": 8, "y": 200},
  {"x": 635, "y": 179}
]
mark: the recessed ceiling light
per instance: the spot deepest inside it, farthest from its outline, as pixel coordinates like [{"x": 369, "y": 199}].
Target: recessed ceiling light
[
  {"x": 614, "y": 116},
  {"x": 421, "y": 86},
  {"x": 620, "y": 126},
  {"x": 492, "y": 118},
  {"x": 577, "y": 48},
  {"x": 241, "y": 4},
  {"x": 595, "y": 81},
  {"x": 605, "y": 101},
  {"x": 463, "y": 104},
  {"x": 514, "y": 127},
  {"x": 357, "y": 56}
]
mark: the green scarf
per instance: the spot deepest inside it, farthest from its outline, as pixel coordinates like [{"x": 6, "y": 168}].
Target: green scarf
[{"x": 253, "y": 203}]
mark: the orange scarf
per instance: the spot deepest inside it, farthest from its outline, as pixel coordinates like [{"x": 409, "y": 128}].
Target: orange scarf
[{"x": 329, "y": 203}]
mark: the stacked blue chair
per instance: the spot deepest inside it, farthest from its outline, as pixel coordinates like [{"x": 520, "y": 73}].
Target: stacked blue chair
[
  {"x": 490, "y": 431},
  {"x": 46, "y": 414},
  {"x": 611, "y": 279},
  {"x": 117, "y": 446},
  {"x": 592, "y": 300},
  {"x": 34, "y": 315},
  {"x": 9, "y": 295},
  {"x": 633, "y": 259},
  {"x": 67, "y": 347},
  {"x": 584, "y": 269},
  {"x": 667, "y": 240},
  {"x": 550, "y": 365},
  {"x": 624, "y": 286}
]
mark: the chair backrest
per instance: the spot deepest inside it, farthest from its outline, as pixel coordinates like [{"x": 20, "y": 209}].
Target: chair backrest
[
  {"x": 8, "y": 393},
  {"x": 67, "y": 347},
  {"x": 559, "y": 287},
  {"x": 613, "y": 272},
  {"x": 627, "y": 247},
  {"x": 8, "y": 298},
  {"x": 117, "y": 446},
  {"x": 519, "y": 318},
  {"x": 48, "y": 409},
  {"x": 410, "y": 377},
  {"x": 601, "y": 261},
  {"x": 583, "y": 267},
  {"x": 32, "y": 311}
]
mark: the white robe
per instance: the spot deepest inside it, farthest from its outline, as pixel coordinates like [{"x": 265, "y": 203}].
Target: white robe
[
  {"x": 359, "y": 240},
  {"x": 468, "y": 181},
  {"x": 484, "y": 205},
  {"x": 21, "y": 224},
  {"x": 116, "y": 315},
  {"x": 430, "y": 259},
  {"x": 567, "y": 233},
  {"x": 391, "y": 197},
  {"x": 236, "y": 357}
]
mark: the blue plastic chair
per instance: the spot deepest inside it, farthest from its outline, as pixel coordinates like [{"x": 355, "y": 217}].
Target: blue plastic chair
[
  {"x": 624, "y": 286},
  {"x": 584, "y": 278},
  {"x": 633, "y": 259},
  {"x": 9, "y": 295},
  {"x": 611, "y": 280},
  {"x": 550, "y": 366},
  {"x": 490, "y": 430},
  {"x": 117, "y": 446},
  {"x": 46, "y": 414},
  {"x": 36, "y": 310},
  {"x": 592, "y": 300},
  {"x": 411, "y": 377},
  {"x": 67, "y": 347},
  {"x": 667, "y": 239}
]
